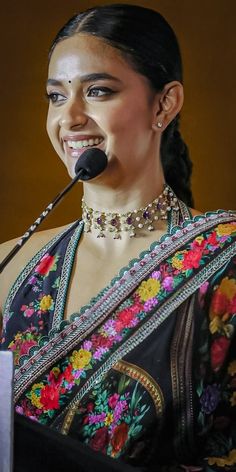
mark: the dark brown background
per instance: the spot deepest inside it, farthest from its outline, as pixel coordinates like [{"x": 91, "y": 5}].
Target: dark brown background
[{"x": 31, "y": 173}]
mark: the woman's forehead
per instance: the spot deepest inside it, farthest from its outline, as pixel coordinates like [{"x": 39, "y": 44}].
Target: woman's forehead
[{"x": 85, "y": 47}]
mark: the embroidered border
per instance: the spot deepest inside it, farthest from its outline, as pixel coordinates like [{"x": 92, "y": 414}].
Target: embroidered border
[
  {"x": 92, "y": 317},
  {"x": 147, "y": 328}
]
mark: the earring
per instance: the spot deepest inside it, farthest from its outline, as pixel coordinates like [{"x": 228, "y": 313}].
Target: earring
[{"x": 159, "y": 124}]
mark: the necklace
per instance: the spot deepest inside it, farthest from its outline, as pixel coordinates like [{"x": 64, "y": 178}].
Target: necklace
[{"x": 132, "y": 221}]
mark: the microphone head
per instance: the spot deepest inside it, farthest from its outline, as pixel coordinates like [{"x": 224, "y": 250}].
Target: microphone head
[{"x": 92, "y": 162}]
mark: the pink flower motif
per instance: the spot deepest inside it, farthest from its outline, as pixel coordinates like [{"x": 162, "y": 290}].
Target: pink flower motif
[
  {"x": 203, "y": 288},
  {"x": 26, "y": 345},
  {"x": 99, "y": 353},
  {"x": 93, "y": 419},
  {"x": 168, "y": 283},
  {"x": 19, "y": 410},
  {"x": 149, "y": 304},
  {"x": 120, "y": 407},
  {"x": 156, "y": 275},
  {"x": 29, "y": 312},
  {"x": 23, "y": 307},
  {"x": 87, "y": 345}
]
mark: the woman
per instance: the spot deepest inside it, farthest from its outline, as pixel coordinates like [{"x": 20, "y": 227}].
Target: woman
[{"x": 144, "y": 371}]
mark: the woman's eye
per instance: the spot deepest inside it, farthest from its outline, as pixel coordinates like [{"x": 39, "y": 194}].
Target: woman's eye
[
  {"x": 99, "y": 92},
  {"x": 55, "y": 97}
]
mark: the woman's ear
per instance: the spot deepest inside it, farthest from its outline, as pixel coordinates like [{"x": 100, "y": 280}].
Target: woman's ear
[{"x": 168, "y": 104}]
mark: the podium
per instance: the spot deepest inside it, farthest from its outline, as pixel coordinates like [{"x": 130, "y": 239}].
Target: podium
[
  {"x": 38, "y": 448},
  {"x": 27, "y": 446}
]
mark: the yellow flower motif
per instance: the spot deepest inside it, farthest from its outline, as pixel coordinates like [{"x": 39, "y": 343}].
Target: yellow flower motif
[
  {"x": 232, "y": 368},
  {"x": 36, "y": 386},
  {"x": 46, "y": 303},
  {"x": 18, "y": 336},
  {"x": 56, "y": 371},
  {"x": 228, "y": 287},
  {"x": 216, "y": 325},
  {"x": 34, "y": 397},
  {"x": 149, "y": 289},
  {"x": 109, "y": 419},
  {"x": 199, "y": 239},
  {"x": 233, "y": 399},
  {"x": 226, "y": 229},
  {"x": 35, "y": 400},
  {"x": 80, "y": 359},
  {"x": 225, "y": 460},
  {"x": 176, "y": 262}
]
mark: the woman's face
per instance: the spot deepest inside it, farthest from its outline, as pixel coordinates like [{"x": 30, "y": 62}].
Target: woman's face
[{"x": 97, "y": 100}]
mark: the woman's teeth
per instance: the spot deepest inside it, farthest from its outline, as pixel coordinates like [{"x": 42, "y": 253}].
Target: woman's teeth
[{"x": 84, "y": 143}]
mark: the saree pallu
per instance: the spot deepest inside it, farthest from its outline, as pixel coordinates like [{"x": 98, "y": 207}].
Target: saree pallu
[{"x": 146, "y": 373}]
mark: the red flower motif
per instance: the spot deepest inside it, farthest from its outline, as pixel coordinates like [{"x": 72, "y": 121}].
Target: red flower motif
[
  {"x": 219, "y": 303},
  {"x": 100, "y": 439},
  {"x": 45, "y": 264},
  {"x": 232, "y": 307},
  {"x": 68, "y": 376},
  {"x": 219, "y": 350},
  {"x": 26, "y": 345},
  {"x": 101, "y": 341},
  {"x": 211, "y": 240},
  {"x": 90, "y": 406},
  {"x": 49, "y": 397},
  {"x": 125, "y": 317},
  {"x": 192, "y": 259},
  {"x": 119, "y": 437},
  {"x": 112, "y": 401}
]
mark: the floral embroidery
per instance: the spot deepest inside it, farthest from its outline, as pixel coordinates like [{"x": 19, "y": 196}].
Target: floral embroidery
[
  {"x": 223, "y": 320},
  {"x": 80, "y": 359},
  {"x": 47, "y": 264},
  {"x": 216, "y": 381},
  {"x": 40, "y": 306},
  {"x": 110, "y": 421},
  {"x": 148, "y": 289},
  {"x": 22, "y": 343},
  {"x": 131, "y": 313}
]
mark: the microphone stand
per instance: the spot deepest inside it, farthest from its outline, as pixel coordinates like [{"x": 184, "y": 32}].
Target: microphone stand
[{"x": 39, "y": 220}]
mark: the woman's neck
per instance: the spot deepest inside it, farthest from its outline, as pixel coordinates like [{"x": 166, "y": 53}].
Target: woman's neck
[{"x": 131, "y": 193}]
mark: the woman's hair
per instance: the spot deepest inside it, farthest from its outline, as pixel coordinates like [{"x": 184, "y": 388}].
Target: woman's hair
[{"x": 149, "y": 44}]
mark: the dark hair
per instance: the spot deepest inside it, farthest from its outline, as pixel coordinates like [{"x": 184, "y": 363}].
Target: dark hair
[{"x": 149, "y": 44}]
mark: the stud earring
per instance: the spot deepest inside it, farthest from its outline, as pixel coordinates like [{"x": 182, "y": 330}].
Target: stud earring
[{"x": 159, "y": 124}]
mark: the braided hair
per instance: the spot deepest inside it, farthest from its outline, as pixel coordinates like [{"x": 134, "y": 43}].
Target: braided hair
[{"x": 149, "y": 44}]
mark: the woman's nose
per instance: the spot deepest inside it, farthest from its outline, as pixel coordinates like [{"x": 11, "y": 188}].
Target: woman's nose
[{"x": 73, "y": 115}]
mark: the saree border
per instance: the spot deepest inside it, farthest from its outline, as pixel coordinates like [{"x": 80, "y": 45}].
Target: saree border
[
  {"x": 181, "y": 378},
  {"x": 92, "y": 315},
  {"x": 147, "y": 328},
  {"x": 71, "y": 335}
]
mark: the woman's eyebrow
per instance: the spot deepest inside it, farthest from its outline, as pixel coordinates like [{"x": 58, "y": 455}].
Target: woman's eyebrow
[{"x": 87, "y": 78}]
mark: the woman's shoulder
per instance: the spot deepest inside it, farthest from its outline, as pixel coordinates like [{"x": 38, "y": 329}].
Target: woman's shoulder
[{"x": 30, "y": 248}]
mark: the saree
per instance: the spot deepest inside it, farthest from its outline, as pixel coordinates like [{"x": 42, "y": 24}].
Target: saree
[{"x": 145, "y": 373}]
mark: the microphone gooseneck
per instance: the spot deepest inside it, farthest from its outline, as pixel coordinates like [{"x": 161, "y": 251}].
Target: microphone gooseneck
[{"x": 90, "y": 164}]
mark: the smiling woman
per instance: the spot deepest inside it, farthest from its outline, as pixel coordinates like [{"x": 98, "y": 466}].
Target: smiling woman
[{"x": 122, "y": 324}]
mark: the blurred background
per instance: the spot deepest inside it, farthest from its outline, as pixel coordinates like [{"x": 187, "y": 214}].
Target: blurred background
[{"x": 31, "y": 172}]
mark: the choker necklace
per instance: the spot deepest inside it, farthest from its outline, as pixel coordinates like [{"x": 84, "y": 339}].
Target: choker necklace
[{"x": 132, "y": 221}]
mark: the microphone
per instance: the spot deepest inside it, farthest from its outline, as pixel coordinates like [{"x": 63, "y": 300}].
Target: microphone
[{"x": 90, "y": 164}]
